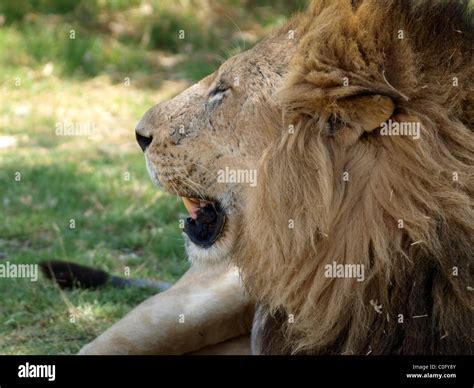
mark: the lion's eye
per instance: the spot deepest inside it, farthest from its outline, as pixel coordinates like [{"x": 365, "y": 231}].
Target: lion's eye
[{"x": 217, "y": 94}]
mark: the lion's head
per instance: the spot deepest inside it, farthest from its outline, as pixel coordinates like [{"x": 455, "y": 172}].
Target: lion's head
[
  {"x": 357, "y": 117},
  {"x": 204, "y": 144}
]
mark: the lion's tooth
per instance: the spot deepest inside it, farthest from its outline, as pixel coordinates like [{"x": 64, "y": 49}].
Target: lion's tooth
[{"x": 190, "y": 207}]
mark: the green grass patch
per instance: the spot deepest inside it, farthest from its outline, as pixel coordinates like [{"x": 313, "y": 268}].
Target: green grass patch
[{"x": 86, "y": 213}]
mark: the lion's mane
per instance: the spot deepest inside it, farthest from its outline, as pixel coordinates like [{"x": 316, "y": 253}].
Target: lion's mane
[{"x": 405, "y": 211}]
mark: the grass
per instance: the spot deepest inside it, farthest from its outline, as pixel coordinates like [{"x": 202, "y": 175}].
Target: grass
[
  {"x": 100, "y": 183},
  {"x": 48, "y": 80}
]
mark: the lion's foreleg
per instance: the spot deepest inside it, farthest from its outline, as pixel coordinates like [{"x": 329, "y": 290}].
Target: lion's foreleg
[{"x": 206, "y": 306}]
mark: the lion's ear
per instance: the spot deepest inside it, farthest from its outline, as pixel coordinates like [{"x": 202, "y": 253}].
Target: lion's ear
[
  {"x": 372, "y": 111},
  {"x": 361, "y": 114}
]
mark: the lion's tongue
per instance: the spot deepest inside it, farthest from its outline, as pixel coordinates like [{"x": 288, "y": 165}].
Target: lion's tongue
[{"x": 192, "y": 206}]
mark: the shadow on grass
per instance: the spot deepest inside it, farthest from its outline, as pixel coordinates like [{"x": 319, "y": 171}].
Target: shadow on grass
[
  {"x": 82, "y": 46},
  {"x": 125, "y": 39}
]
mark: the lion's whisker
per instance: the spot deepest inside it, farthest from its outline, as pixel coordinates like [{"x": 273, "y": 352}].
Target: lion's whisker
[
  {"x": 191, "y": 184},
  {"x": 199, "y": 165}
]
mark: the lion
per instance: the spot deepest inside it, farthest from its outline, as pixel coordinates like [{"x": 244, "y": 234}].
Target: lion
[{"x": 355, "y": 120}]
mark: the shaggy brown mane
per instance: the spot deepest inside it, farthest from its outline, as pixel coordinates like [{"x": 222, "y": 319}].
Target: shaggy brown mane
[{"x": 417, "y": 295}]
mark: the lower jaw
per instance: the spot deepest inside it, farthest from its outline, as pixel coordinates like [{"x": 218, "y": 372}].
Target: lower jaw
[
  {"x": 206, "y": 222},
  {"x": 214, "y": 255}
]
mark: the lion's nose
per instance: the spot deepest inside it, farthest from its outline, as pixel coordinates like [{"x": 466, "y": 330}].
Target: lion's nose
[{"x": 143, "y": 141}]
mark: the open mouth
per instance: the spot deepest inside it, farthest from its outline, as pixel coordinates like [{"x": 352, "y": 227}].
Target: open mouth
[{"x": 205, "y": 222}]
